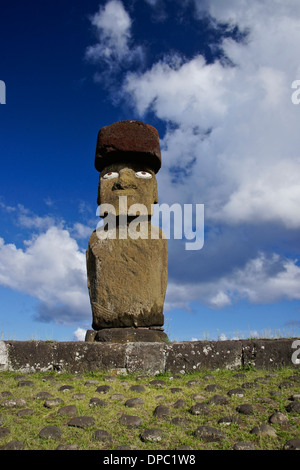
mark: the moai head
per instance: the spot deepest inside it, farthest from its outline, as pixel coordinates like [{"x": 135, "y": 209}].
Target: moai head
[{"x": 128, "y": 158}]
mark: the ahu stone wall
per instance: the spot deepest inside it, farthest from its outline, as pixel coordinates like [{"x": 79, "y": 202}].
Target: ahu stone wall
[{"x": 148, "y": 358}]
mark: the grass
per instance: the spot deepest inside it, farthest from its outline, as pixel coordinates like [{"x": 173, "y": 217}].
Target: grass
[{"x": 26, "y": 428}]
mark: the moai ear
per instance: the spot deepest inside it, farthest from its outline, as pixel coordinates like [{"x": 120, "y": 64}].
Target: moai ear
[
  {"x": 98, "y": 195},
  {"x": 155, "y": 193}
]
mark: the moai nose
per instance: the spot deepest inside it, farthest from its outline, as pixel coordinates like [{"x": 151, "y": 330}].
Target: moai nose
[{"x": 125, "y": 180}]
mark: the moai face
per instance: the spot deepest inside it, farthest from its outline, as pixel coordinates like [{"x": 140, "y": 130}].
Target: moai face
[{"x": 135, "y": 181}]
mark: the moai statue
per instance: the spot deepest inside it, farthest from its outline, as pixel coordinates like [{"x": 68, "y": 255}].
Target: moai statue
[{"x": 127, "y": 257}]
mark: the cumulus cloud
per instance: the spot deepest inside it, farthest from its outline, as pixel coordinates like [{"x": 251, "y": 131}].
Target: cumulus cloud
[
  {"x": 264, "y": 279},
  {"x": 112, "y": 26},
  {"x": 50, "y": 268},
  {"x": 233, "y": 127}
]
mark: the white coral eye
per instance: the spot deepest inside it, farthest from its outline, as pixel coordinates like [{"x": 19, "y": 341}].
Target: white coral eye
[
  {"x": 143, "y": 174},
  {"x": 110, "y": 175}
]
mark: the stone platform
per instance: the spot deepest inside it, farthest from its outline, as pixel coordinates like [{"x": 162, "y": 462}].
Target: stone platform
[
  {"x": 148, "y": 357},
  {"x": 127, "y": 335}
]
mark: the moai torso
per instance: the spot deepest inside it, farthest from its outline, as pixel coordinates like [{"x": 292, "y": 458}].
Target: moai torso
[{"x": 127, "y": 264}]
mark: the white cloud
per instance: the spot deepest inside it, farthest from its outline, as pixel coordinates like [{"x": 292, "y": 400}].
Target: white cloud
[
  {"x": 235, "y": 127},
  {"x": 263, "y": 280},
  {"x": 79, "y": 334},
  {"x": 113, "y": 30},
  {"x": 50, "y": 268}
]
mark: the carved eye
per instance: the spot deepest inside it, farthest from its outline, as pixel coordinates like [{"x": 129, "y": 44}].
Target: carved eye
[
  {"x": 110, "y": 175},
  {"x": 143, "y": 174}
]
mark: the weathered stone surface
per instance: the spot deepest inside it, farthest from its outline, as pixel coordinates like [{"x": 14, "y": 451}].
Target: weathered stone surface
[
  {"x": 200, "y": 409},
  {"x": 127, "y": 281},
  {"x": 152, "y": 435},
  {"x": 268, "y": 353},
  {"x": 102, "y": 435},
  {"x": 292, "y": 444},
  {"x": 82, "y": 422},
  {"x": 133, "y": 402},
  {"x": 161, "y": 411},
  {"x": 264, "y": 430},
  {"x": 245, "y": 409},
  {"x": 13, "y": 445},
  {"x": 50, "y": 432},
  {"x": 14, "y": 403},
  {"x": 278, "y": 418},
  {"x": 139, "y": 140},
  {"x": 244, "y": 445},
  {"x": 130, "y": 420},
  {"x": 145, "y": 357},
  {"x": 129, "y": 335},
  {"x": 188, "y": 356},
  {"x": 209, "y": 434}
]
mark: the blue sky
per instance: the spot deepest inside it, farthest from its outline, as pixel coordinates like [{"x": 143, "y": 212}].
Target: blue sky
[{"x": 215, "y": 78}]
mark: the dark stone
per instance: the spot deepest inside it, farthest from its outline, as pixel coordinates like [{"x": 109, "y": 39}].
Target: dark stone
[
  {"x": 67, "y": 447},
  {"x": 264, "y": 430},
  {"x": 90, "y": 335},
  {"x": 133, "y": 402},
  {"x": 52, "y": 402},
  {"x": 130, "y": 335},
  {"x": 285, "y": 384},
  {"x": 179, "y": 404},
  {"x": 25, "y": 383},
  {"x": 14, "y": 403},
  {"x": 82, "y": 422},
  {"x": 43, "y": 396},
  {"x": 179, "y": 421},
  {"x": 50, "y": 432},
  {"x": 227, "y": 420},
  {"x": 161, "y": 411},
  {"x": 218, "y": 400},
  {"x": 293, "y": 407},
  {"x": 102, "y": 435},
  {"x": 104, "y": 389},
  {"x": 175, "y": 389},
  {"x": 4, "y": 432},
  {"x": 152, "y": 435},
  {"x": 249, "y": 385},
  {"x": 66, "y": 388},
  {"x": 244, "y": 445},
  {"x": 13, "y": 445},
  {"x": 240, "y": 375},
  {"x": 117, "y": 396},
  {"x": 26, "y": 412},
  {"x": 137, "y": 388},
  {"x": 212, "y": 388},
  {"x": 200, "y": 409},
  {"x": 236, "y": 392},
  {"x": 292, "y": 444},
  {"x": 157, "y": 383},
  {"x": 245, "y": 409},
  {"x": 278, "y": 418},
  {"x": 209, "y": 434},
  {"x": 131, "y": 421},
  {"x": 69, "y": 410},
  {"x": 95, "y": 401}
]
